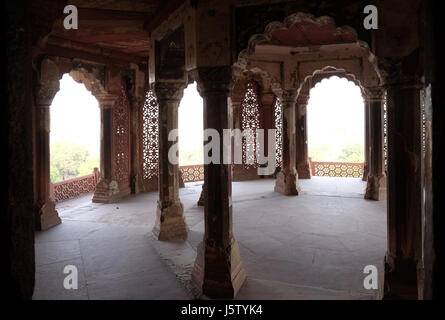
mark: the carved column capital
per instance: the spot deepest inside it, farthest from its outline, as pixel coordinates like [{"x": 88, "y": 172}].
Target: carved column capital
[
  {"x": 169, "y": 90},
  {"x": 48, "y": 84},
  {"x": 106, "y": 100},
  {"x": 212, "y": 80},
  {"x": 44, "y": 94},
  {"x": 288, "y": 98},
  {"x": 374, "y": 94},
  {"x": 393, "y": 72}
]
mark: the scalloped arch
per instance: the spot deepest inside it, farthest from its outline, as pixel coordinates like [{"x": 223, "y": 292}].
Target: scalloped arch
[{"x": 242, "y": 62}]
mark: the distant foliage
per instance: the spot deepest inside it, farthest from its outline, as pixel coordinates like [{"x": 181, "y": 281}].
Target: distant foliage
[
  {"x": 88, "y": 166},
  {"x": 67, "y": 158},
  {"x": 352, "y": 153},
  {"x": 54, "y": 174}
]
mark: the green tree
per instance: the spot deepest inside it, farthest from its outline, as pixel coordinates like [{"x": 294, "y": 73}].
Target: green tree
[
  {"x": 54, "y": 174},
  {"x": 320, "y": 153},
  {"x": 67, "y": 157},
  {"x": 352, "y": 153},
  {"x": 88, "y": 166}
]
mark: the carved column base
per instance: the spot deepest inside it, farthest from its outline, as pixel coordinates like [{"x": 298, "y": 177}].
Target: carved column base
[
  {"x": 304, "y": 170},
  {"x": 376, "y": 188},
  {"x": 170, "y": 222},
  {"x": 107, "y": 191},
  {"x": 400, "y": 280},
  {"x": 201, "y": 198},
  {"x": 49, "y": 217},
  {"x": 227, "y": 272},
  {"x": 287, "y": 183}
]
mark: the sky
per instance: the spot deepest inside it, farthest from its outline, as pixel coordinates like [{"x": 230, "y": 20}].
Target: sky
[
  {"x": 190, "y": 125},
  {"x": 75, "y": 116},
  {"x": 335, "y": 115}
]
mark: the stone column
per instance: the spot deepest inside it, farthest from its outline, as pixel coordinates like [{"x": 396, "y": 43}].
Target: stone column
[
  {"x": 107, "y": 189},
  {"x": 303, "y": 165},
  {"x": 368, "y": 133},
  {"x": 170, "y": 222},
  {"x": 404, "y": 254},
  {"x": 287, "y": 179},
  {"x": 376, "y": 186},
  {"x": 47, "y": 213},
  {"x": 218, "y": 269},
  {"x": 44, "y": 93},
  {"x": 267, "y": 105},
  {"x": 136, "y": 182}
]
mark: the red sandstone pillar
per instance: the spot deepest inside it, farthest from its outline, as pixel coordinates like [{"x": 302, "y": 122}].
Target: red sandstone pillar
[
  {"x": 376, "y": 186},
  {"x": 218, "y": 269},
  {"x": 303, "y": 165},
  {"x": 287, "y": 179},
  {"x": 404, "y": 255},
  {"x": 170, "y": 222},
  {"x": 47, "y": 213},
  {"x": 368, "y": 133},
  {"x": 107, "y": 189}
]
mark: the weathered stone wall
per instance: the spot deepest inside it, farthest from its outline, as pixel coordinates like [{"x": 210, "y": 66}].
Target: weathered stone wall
[{"x": 17, "y": 223}]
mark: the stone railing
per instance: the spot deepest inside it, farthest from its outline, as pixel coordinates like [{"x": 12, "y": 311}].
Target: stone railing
[
  {"x": 337, "y": 169},
  {"x": 192, "y": 173},
  {"x": 72, "y": 188}
]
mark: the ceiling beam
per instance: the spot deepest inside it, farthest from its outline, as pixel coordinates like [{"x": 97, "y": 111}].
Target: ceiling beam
[
  {"x": 162, "y": 14},
  {"x": 71, "y": 49},
  {"x": 101, "y": 14}
]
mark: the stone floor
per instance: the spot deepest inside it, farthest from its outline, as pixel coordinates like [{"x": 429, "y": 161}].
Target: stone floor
[{"x": 313, "y": 246}]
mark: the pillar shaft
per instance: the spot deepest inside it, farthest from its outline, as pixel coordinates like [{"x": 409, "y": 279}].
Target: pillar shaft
[
  {"x": 366, "y": 164},
  {"x": 404, "y": 192},
  {"x": 47, "y": 213},
  {"x": 170, "y": 221},
  {"x": 303, "y": 165},
  {"x": 218, "y": 269},
  {"x": 107, "y": 189},
  {"x": 287, "y": 179},
  {"x": 376, "y": 185}
]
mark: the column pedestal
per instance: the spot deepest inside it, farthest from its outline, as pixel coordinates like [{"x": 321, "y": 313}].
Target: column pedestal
[
  {"x": 170, "y": 222},
  {"x": 49, "y": 217},
  {"x": 107, "y": 191},
  {"x": 223, "y": 280},
  {"x": 376, "y": 188},
  {"x": 287, "y": 183}
]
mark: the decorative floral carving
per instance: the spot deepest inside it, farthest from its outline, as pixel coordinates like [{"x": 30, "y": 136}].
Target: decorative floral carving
[
  {"x": 150, "y": 136},
  {"x": 121, "y": 139},
  {"x": 278, "y": 112},
  {"x": 250, "y": 120}
]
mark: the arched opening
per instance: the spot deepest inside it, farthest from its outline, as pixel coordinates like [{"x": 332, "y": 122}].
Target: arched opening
[
  {"x": 190, "y": 130},
  {"x": 74, "y": 141},
  {"x": 336, "y": 132}
]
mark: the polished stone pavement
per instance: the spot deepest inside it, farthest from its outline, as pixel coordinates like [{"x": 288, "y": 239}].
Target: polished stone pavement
[{"x": 311, "y": 246}]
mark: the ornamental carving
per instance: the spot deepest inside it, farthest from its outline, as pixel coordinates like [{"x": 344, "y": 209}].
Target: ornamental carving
[
  {"x": 250, "y": 121},
  {"x": 150, "y": 136},
  {"x": 121, "y": 139}
]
